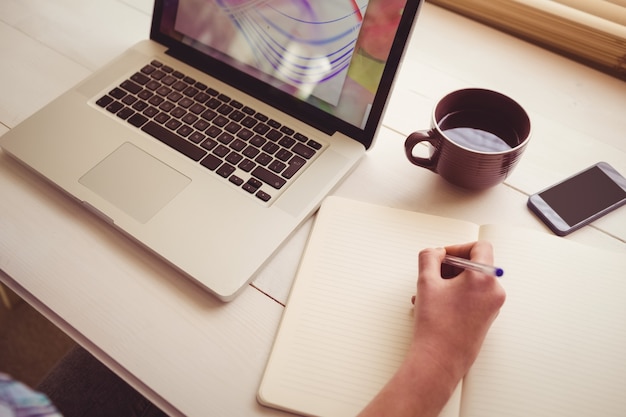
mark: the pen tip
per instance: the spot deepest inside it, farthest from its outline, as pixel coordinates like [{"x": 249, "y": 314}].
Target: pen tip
[{"x": 499, "y": 272}]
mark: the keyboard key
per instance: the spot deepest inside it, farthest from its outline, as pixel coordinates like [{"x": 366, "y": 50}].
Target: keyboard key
[
  {"x": 213, "y": 103},
  {"x": 190, "y": 91},
  {"x": 104, "y": 101},
  {"x": 151, "y": 111},
  {"x": 220, "y": 121},
  {"x": 232, "y": 127},
  {"x": 190, "y": 118},
  {"x": 140, "y": 78},
  {"x": 283, "y": 155},
  {"x": 140, "y": 105},
  {"x": 137, "y": 120},
  {"x": 201, "y": 97},
  {"x": 293, "y": 167},
  {"x": 238, "y": 145},
  {"x": 175, "y": 96},
  {"x": 287, "y": 142},
  {"x": 225, "y": 170},
  {"x": 287, "y": 131},
  {"x": 252, "y": 185},
  {"x": 117, "y": 93},
  {"x": 171, "y": 139},
  {"x": 273, "y": 135},
  {"x": 168, "y": 80},
  {"x": 249, "y": 122},
  {"x": 251, "y": 151},
  {"x": 261, "y": 128},
  {"x": 270, "y": 147},
  {"x": 157, "y": 75},
  {"x": 207, "y": 115},
  {"x": 273, "y": 123},
  {"x": 125, "y": 113},
  {"x": 236, "y": 180},
  {"x": 199, "y": 109},
  {"x": 201, "y": 124},
  {"x": 209, "y": 144},
  {"x": 129, "y": 100},
  {"x": 213, "y": 131},
  {"x": 179, "y": 86},
  {"x": 131, "y": 87},
  {"x": 167, "y": 106},
  {"x": 246, "y": 165},
  {"x": 162, "y": 118},
  {"x": 148, "y": 69},
  {"x": 225, "y": 109},
  {"x": 221, "y": 151},
  {"x": 234, "y": 158},
  {"x": 156, "y": 100},
  {"x": 263, "y": 196},
  {"x": 196, "y": 137},
  {"x": 145, "y": 94},
  {"x": 152, "y": 85},
  {"x": 269, "y": 177},
  {"x": 184, "y": 131},
  {"x": 115, "y": 106},
  {"x": 185, "y": 102},
  {"x": 211, "y": 162},
  {"x": 263, "y": 159},
  {"x": 277, "y": 166},
  {"x": 245, "y": 134},
  {"x": 303, "y": 150},
  {"x": 225, "y": 138}
]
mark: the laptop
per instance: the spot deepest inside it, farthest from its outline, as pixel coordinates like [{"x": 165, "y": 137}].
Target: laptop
[{"x": 212, "y": 141}]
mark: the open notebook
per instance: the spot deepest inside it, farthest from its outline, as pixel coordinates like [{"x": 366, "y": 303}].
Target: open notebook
[{"x": 556, "y": 349}]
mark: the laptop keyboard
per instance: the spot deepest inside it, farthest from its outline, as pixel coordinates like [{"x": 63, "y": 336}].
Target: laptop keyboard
[{"x": 253, "y": 152}]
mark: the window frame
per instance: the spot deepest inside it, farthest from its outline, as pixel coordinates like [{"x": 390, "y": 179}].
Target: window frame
[{"x": 563, "y": 28}]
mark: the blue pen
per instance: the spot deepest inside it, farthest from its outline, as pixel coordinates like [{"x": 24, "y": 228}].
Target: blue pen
[{"x": 474, "y": 266}]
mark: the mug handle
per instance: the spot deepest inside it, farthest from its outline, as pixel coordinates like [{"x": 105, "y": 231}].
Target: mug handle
[{"x": 417, "y": 137}]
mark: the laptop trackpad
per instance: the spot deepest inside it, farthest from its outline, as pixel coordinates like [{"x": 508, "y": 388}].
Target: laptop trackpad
[{"x": 135, "y": 182}]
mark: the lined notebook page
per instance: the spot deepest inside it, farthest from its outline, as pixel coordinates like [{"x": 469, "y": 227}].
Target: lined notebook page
[
  {"x": 558, "y": 347},
  {"x": 349, "y": 318}
]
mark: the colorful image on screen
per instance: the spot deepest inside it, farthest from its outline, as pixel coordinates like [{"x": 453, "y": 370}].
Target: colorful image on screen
[{"x": 329, "y": 53}]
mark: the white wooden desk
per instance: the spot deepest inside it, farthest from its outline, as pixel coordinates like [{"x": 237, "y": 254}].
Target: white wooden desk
[{"x": 186, "y": 351}]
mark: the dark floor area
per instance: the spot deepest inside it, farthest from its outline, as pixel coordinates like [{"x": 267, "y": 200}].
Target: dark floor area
[{"x": 30, "y": 345}]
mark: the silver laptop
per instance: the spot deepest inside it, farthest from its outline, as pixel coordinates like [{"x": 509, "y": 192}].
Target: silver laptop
[{"x": 213, "y": 140}]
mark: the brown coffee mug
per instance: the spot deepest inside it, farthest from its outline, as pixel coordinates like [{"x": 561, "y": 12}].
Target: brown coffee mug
[{"x": 477, "y": 136}]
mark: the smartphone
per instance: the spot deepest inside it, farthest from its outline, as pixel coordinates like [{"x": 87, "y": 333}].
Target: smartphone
[{"x": 580, "y": 199}]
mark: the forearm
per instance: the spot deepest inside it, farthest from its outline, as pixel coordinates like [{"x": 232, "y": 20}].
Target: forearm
[{"x": 419, "y": 388}]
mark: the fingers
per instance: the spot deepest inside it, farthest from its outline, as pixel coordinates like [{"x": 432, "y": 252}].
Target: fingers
[
  {"x": 430, "y": 263},
  {"x": 431, "y": 271},
  {"x": 480, "y": 251}
]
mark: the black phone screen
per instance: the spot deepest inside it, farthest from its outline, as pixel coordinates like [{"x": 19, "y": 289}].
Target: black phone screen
[{"x": 584, "y": 195}]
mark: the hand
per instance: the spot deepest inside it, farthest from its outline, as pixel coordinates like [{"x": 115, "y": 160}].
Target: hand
[{"x": 452, "y": 316}]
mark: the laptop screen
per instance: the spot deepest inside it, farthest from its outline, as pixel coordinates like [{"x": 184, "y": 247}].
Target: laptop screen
[{"x": 324, "y": 56}]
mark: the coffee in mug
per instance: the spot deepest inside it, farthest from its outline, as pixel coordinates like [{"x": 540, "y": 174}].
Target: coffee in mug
[{"x": 477, "y": 135}]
